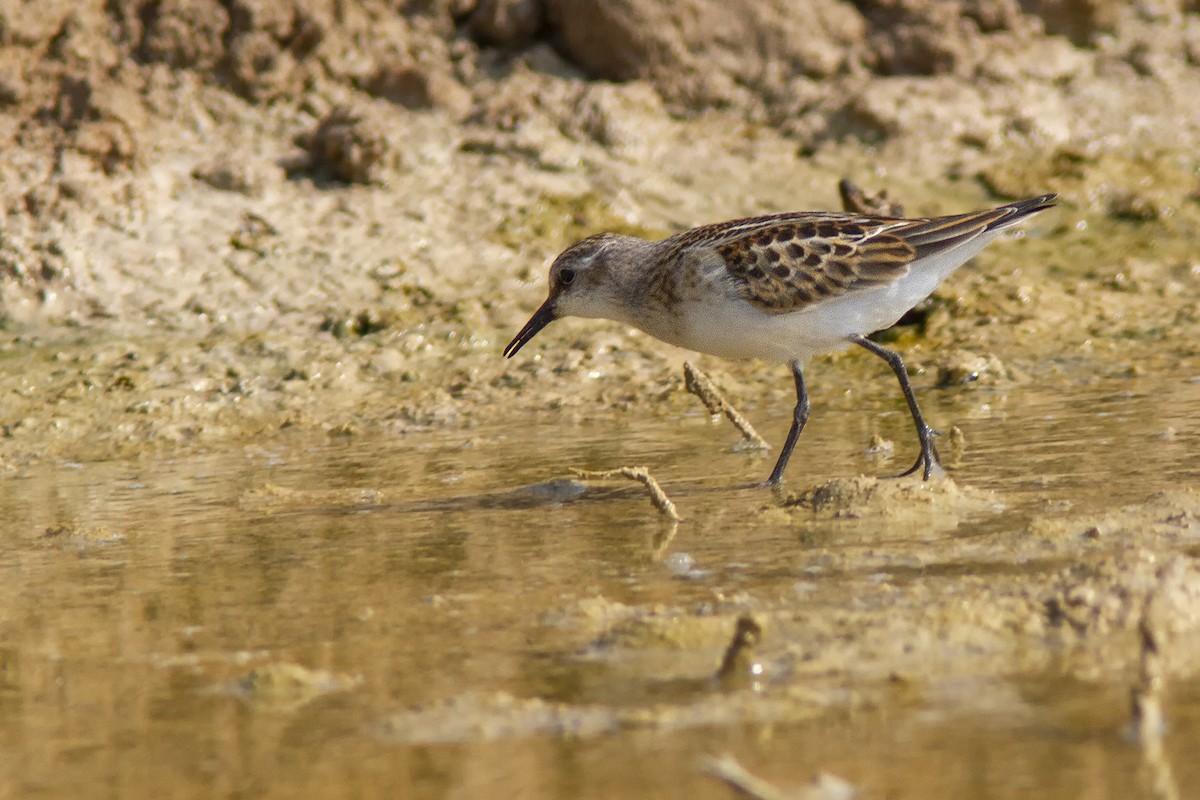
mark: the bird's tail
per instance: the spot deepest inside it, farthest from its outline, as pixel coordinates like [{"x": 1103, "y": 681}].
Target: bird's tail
[{"x": 930, "y": 236}]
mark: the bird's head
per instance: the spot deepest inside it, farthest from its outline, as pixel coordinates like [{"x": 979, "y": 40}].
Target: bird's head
[{"x": 583, "y": 280}]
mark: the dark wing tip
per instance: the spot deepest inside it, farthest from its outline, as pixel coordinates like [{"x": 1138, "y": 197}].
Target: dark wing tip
[{"x": 1023, "y": 208}]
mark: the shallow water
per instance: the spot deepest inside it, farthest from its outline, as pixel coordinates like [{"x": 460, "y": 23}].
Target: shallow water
[{"x": 449, "y": 625}]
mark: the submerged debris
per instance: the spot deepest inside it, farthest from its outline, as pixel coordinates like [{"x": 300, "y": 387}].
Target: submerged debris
[
  {"x": 1147, "y": 693},
  {"x": 287, "y": 687},
  {"x": 642, "y": 475},
  {"x": 823, "y": 787},
  {"x": 82, "y": 536},
  {"x": 726, "y": 768},
  {"x": 738, "y": 665},
  {"x": 479, "y": 716},
  {"x": 880, "y": 448},
  {"x": 702, "y": 386},
  {"x": 663, "y": 537},
  {"x": 1149, "y": 723}
]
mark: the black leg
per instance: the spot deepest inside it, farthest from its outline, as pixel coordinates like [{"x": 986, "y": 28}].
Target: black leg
[
  {"x": 799, "y": 417},
  {"x": 929, "y": 454}
]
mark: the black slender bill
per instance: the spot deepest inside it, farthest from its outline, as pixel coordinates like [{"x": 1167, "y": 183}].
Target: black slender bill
[{"x": 540, "y": 319}]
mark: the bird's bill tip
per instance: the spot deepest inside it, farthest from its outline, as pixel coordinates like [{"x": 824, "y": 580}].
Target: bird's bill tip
[{"x": 540, "y": 319}]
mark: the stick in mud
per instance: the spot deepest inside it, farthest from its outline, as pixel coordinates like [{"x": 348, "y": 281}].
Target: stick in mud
[
  {"x": 855, "y": 200},
  {"x": 1149, "y": 723},
  {"x": 726, "y": 768},
  {"x": 738, "y": 666},
  {"x": 702, "y": 386},
  {"x": 640, "y": 474}
]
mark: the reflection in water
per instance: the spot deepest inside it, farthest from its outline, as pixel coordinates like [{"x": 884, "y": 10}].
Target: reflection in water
[{"x": 482, "y": 590}]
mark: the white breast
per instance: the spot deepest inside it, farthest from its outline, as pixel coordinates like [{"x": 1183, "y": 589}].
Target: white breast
[{"x": 722, "y": 324}]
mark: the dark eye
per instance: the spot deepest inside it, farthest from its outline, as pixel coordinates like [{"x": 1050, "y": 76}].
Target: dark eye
[{"x": 566, "y": 276}]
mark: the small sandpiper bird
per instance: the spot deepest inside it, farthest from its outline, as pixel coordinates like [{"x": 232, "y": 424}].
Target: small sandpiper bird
[{"x": 779, "y": 288}]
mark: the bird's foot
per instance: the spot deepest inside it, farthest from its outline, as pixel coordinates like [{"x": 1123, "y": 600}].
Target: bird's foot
[{"x": 928, "y": 461}]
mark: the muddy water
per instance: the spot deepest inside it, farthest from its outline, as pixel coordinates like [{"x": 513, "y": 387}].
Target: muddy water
[{"x": 448, "y": 615}]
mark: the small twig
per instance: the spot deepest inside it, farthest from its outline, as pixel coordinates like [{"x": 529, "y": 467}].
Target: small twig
[
  {"x": 726, "y": 768},
  {"x": 640, "y": 474},
  {"x": 702, "y": 386},
  {"x": 955, "y": 447},
  {"x": 1149, "y": 723},
  {"x": 738, "y": 666},
  {"x": 856, "y": 201},
  {"x": 662, "y": 540},
  {"x": 1147, "y": 693},
  {"x": 823, "y": 787}
]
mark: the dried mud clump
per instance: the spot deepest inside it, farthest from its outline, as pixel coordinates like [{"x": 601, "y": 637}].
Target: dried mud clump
[
  {"x": 348, "y": 145},
  {"x": 695, "y": 51},
  {"x": 269, "y": 41},
  {"x": 96, "y": 119},
  {"x": 256, "y": 48},
  {"x": 914, "y": 37},
  {"x": 418, "y": 87},
  {"x": 866, "y": 497},
  {"x": 963, "y": 366},
  {"x": 1081, "y": 21},
  {"x": 228, "y": 174},
  {"x": 507, "y": 23},
  {"x": 1109, "y": 595},
  {"x": 183, "y": 33}
]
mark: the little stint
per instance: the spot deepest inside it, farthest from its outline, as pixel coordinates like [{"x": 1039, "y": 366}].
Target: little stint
[{"x": 779, "y": 288}]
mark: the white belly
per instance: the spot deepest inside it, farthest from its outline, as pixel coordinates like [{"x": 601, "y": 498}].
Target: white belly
[{"x": 729, "y": 327}]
